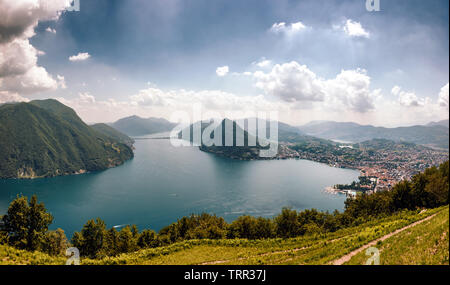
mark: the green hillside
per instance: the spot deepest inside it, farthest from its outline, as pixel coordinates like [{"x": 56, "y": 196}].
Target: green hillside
[
  {"x": 309, "y": 249},
  {"x": 113, "y": 133},
  {"x": 46, "y": 138},
  {"x": 425, "y": 243}
]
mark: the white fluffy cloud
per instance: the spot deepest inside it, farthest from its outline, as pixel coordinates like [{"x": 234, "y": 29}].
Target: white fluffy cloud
[
  {"x": 80, "y": 56},
  {"x": 355, "y": 29},
  {"x": 6, "y": 96},
  {"x": 36, "y": 79},
  {"x": 155, "y": 102},
  {"x": 288, "y": 29},
  {"x": 291, "y": 82},
  {"x": 50, "y": 30},
  {"x": 263, "y": 62},
  {"x": 19, "y": 73},
  {"x": 443, "y": 96},
  {"x": 18, "y": 18},
  {"x": 222, "y": 70},
  {"x": 407, "y": 98},
  {"x": 61, "y": 81},
  {"x": 296, "y": 83},
  {"x": 351, "y": 88}
]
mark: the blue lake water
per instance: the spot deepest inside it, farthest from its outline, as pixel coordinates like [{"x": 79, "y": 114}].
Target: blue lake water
[{"x": 163, "y": 183}]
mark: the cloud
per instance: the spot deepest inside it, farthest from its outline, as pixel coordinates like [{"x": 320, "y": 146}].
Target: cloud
[
  {"x": 443, "y": 96},
  {"x": 408, "y": 99},
  {"x": 6, "y": 96},
  {"x": 80, "y": 56},
  {"x": 17, "y": 57},
  {"x": 296, "y": 83},
  {"x": 50, "y": 30},
  {"x": 355, "y": 29},
  {"x": 290, "y": 82},
  {"x": 263, "y": 63},
  {"x": 351, "y": 89},
  {"x": 34, "y": 80},
  {"x": 19, "y": 72},
  {"x": 287, "y": 29},
  {"x": 61, "y": 81},
  {"x": 19, "y": 18},
  {"x": 156, "y": 102},
  {"x": 210, "y": 99},
  {"x": 222, "y": 71}
]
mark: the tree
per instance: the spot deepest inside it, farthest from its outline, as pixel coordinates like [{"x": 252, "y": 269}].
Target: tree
[
  {"x": 111, "y": 242},
  {"x": 127, "y": 241},
  {"x": 26, "y": 224},
  {"x": 90, "y": 240},
  {"x": 264, "y": 228},
  {"x": 55, "y": 242},
  {"x": 287, "y": 223},
  {"x": 38, "y": 222},
  {"x": 148, "y": 239}
]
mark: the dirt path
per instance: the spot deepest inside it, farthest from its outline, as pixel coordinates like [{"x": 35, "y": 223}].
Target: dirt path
[{"x": 348, "y": 256}]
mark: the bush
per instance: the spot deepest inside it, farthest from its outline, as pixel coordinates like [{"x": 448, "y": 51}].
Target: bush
[
  {"x": 148, "y": 239},
  {"x": 55, "y": 243},
  {"x": 287, "y": 223}
]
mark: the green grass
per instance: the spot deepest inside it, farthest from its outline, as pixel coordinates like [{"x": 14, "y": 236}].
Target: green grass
[
  {"x": 12, "y": 256},
  {"x": 425, "y": 243}
]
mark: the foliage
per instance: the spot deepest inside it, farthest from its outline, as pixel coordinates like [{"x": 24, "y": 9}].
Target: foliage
[
  {"x": 55, "y": 243},
  {"x": 90, "y": 241},
  {"x": 46, "y": 138},
  {"x": 26, "y": 223}
]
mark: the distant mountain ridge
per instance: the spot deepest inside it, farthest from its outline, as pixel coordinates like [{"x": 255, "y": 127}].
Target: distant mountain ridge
[
  {"x": 433, "y": 134},
  {"x": 45, "y": 138},
  {"x": 137, "y": 126},
  {"x": 444, "y": 123}
]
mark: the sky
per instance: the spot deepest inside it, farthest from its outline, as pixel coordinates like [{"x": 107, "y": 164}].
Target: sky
[{"x": 306, "y": 59}]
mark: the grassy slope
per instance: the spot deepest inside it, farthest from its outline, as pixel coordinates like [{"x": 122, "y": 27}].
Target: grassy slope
[
  {"x": 426, "y": 244},
  {"x": 11, "y": 256},
  {"x": 318, "y": 249}
]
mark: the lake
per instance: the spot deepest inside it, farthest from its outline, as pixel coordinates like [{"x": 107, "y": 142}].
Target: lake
[{"x": 163, "y": 183}]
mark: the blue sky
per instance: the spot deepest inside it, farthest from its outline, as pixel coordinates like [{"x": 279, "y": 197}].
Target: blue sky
[{"x": 138, "y": 48}]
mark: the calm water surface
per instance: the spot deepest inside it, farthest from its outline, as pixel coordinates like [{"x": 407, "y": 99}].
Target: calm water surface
[{"x": 163, "y": 183}]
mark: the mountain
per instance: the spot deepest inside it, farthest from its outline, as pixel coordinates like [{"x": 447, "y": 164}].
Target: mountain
[
  {"x": 137, "y": 126},
  {"x": 113, "y": 133},
  {"x": 286, "y": 134},
  {"x": 444, "y": 123},
  {"x": 46, "y": 138},
  {"x": 232, "y": 150},
  {"x": 435, "y": 135}
]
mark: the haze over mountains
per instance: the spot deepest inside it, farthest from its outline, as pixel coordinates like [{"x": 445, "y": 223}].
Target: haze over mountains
[
  {"x": 434, "y": 134},
  {"x": 137, "y": 126},
  {"x": 46, "y": 138}
]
